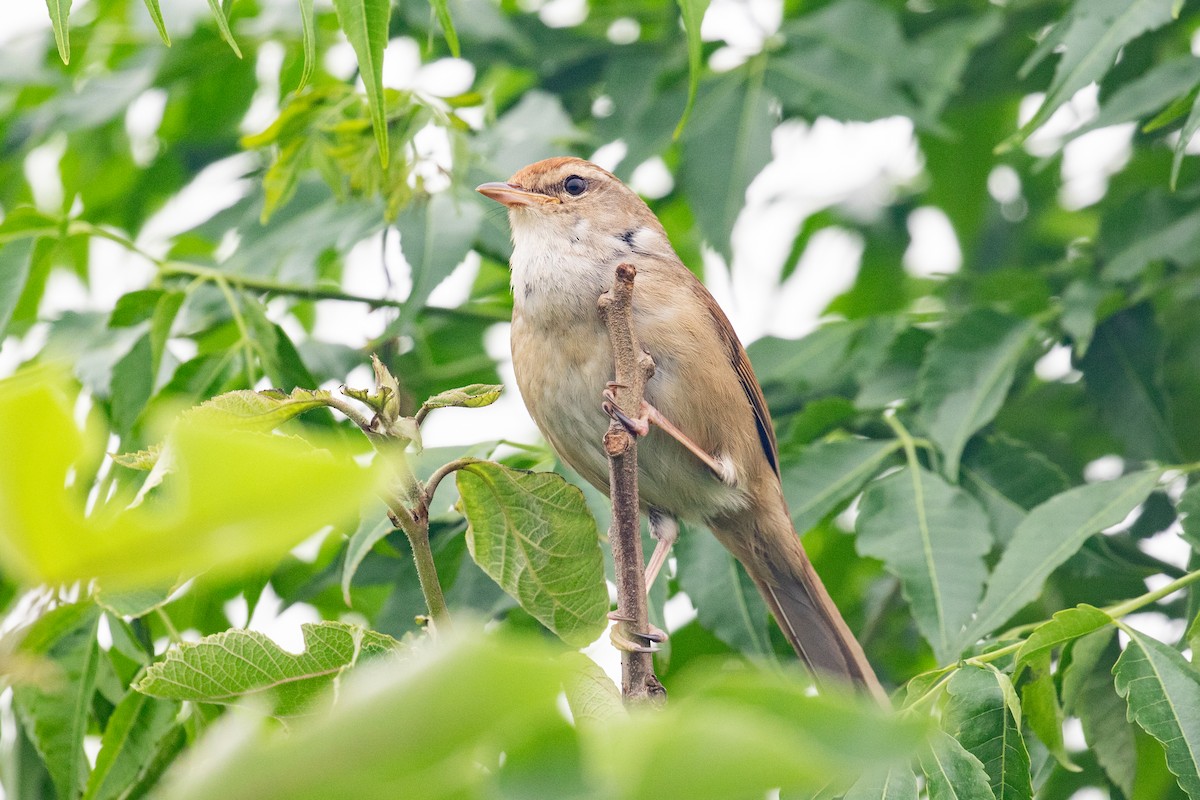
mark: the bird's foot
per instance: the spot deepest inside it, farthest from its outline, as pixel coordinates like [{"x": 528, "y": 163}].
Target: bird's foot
[
  {"x": 649, "y": 640},
  {"x": 637, "y": 426}
]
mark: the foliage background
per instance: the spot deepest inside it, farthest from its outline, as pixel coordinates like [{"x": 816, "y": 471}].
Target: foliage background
[{"x": 993, "y": 420}]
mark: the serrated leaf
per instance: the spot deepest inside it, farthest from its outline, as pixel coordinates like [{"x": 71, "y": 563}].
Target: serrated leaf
[
  {"x": 692, "y": 12},
  {"x": 258, "y": 411},
  {"x": 308, "y": 42},
  {"x": 933, "y": 536},
  {"x": 829, "y": 473},
  {"x": 55, "y": 717},
  {"x": 1042, "y": 711},
  {"x": 727, "y": 603},
  {"x": 1123, "y": 369},
  {"x": 533, "y": 534},
  {"x": 60, "y": 11},
  {"x": 978, "y": 716},
  {"x": 966, "y": 375},
  {"x": 1063, "y": 627},
  {"x": 239, "y": 665},
  {"x": 218, "y": 10},
  {"x": 477, "y": 395},
  {"x": 1091, "y": 36},
  {"x": 1089, "y": 694},
  {"x": 1163, "y": 692},
  {"x": 132, "y": 739},
  {"x": 724, "y": 148},
  {"x": 897, "y": 783},
  {"x": 365, "y": 23},
  {"x": 951, "y": 773},
  {"x": 1051, "y": 534},
  {"x": 141, "y": 460},
  {"x": 159, "y": 23},
  {"x": 442, "y": 9},
  {"x": 1009, "y": 478}
]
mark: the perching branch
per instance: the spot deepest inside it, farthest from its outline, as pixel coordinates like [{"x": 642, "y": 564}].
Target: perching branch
[{"x": 632, "y": 368}]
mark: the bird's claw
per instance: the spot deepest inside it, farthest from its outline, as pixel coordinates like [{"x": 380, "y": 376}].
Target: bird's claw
[
  {"x": 623, "y": 641},
  {"x": 636, "y": 427}
]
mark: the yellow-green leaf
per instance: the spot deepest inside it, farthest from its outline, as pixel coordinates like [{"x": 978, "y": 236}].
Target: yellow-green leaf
[
  {"x": 365, "y": 23},
  {"x": 223, "y": 25},
  {"x": 60, "y": 12}
]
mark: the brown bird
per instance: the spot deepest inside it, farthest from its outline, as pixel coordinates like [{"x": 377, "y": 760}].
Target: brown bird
[{"x": 712, "y": 457}]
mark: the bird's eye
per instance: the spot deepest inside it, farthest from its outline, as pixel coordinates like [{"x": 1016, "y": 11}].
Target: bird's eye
[{"x": 575, "y": 185}]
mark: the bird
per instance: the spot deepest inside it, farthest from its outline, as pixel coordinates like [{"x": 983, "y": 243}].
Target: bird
[{"x": 709, "y": 452}]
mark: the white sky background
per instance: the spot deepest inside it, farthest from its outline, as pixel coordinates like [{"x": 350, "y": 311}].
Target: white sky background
[{"x": 814, "y": 165}]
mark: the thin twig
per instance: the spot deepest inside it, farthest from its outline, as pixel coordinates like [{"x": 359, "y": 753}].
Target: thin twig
[{"x": 632, "y": 368}]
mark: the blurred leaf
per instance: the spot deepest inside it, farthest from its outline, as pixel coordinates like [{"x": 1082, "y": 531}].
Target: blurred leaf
[
  {"x": 1050, "y": 535},
  {"x": 370, "y": 531},
  {"x": 1147, "y": 93},
  {"x": 1009, "y": 478},
  {"x": 309, "y": 43},
  {"x": 692, "y": 12},
  {"x": 1065, "y": 626},
  {"x": 828, "y": 473},
  {"x": 533, "y": 534},
  {"x": 421, "y": 728},
  {"x": 238, "y": 666},
  {"x": 1090, "y": 36},
  {"x": 727, "y": 603},
  {"x": 26, "y": 222},
  {"x": 55, "y": 717},
  {"x": 979, "y": 716},
  {"x": 16, "y": 261},
  {"x": 1146, "y": 228},
  {"x": 1190, "y": 126},
  {"x": 237, "y": 500},
  {"x": 442, "y": 9},
  {"x": 1123, "y": 370},
  {"x": 951, "y": 773},
  {"x": 136, "y": 734},
  {"x": 1083, "y": 308},
  {"x": 967, "y": 372},
  {"x": 1163, "y": 691},
  {"x": 156, "y": 15},
  {"x": 593, "y": 697},
  {"x": 1088, "y": 692},
  {"x": 933, "y": 536},
  {"x": 897, "y": 783},
  {"x": 477, "y": 395},
  {"x": 365, "y": 23},
  {"x": 218, "y": 10},
  {"x": 723, "y": 149},
  {"x": 60, "y": 10}
]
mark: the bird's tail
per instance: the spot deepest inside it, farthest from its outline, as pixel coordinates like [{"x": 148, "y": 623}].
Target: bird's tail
[{"x": 765, "y": 542}]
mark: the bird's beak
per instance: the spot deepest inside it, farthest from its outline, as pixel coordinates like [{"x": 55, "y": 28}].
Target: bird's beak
[{"x": 512, "y": 196}]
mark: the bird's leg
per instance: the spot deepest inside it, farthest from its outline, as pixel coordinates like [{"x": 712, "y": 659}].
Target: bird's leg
[
  {"x": 665, "y": 530},
  {"x": 640, "y": 426}
]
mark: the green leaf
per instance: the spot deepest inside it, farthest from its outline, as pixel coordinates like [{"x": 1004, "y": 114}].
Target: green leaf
[
  {"x": 1123, "y": 370},
  {"x": 238, "y": 666},
  {"x": 1051, "y": 534},
  {"x": 259, "y": 411},
  {"x": 1147, "y": 93},
  {"x": 477, "y": 395},
  {"x": 60, "y": 10},
  {"x": 133, "y": 603},
  {"x": 1163, "y": 692},
  {"x": 978, "y": 716},
  {"x": 442, "y": 9},
  {"x": 533, "y": 534},
  {"x": 951, "y": 773},
  {"x": 591, "y": 694},
  {"x": 218, "y": 10},
  {"x": 1090, "y": 36},
  {"x": 237, "y": 500},
  {"x": 727, "y": 603},
  {"x": 897, "y": 783},
  {"x": 1190, "y": 126},
  {"x": 933, "y": 536},
  {"x": 370, "y": 531},
  {"x": 422, "y": 728},
  {"x": 55, "y": 717},
  {"x": 967, "y": 372},
  {"x": 309, "y": 44},
  {"x": 692, "y": 12},
  {"x": 16, "y": 262},
  {"x": 1189, "y": 515},
  {"x": 365, "y": 23},
  {"x": 135, "y": 735},
  {"x": 435, "y": 236},
  {"x": 26, "y": 222},
  {"x": 1089, "y": 694},
  {"x": 723, "y": 149},
  {"x": 1009, "y": 478},
  {"x": 156, "y": 15},
  {"x": 1063, "y": 627},
  {"x": 1042, "y": 711},
  {"x": 829, "y": 473},
  {"x": 1147, "y": 228}
]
